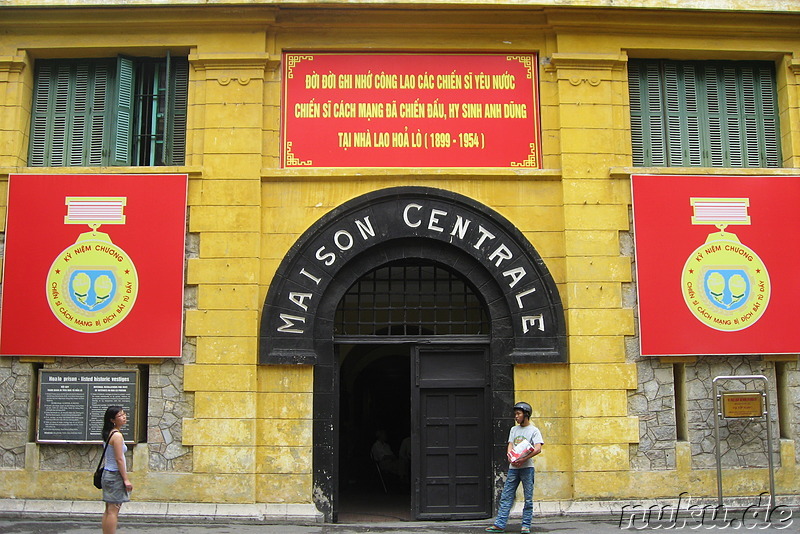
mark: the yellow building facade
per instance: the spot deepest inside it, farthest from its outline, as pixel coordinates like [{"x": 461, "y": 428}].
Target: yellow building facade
[{"x": 228, "y": 429}]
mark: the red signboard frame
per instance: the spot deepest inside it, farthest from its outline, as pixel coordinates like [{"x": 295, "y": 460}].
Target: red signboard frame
[
  {"x": 134, "y": 257},
  {"x": 410, "y": 110},
  {"x": 682, "y": 259}
]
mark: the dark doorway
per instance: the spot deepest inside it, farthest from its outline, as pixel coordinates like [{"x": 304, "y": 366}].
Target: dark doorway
[
  {"x": 435, "y": 401},
  {"x": 428, "y": 406},
  {"x": 374, "y": 395}
]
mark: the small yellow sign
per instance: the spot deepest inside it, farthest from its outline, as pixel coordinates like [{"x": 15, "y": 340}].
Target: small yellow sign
[{"x": 742, "y": 404}]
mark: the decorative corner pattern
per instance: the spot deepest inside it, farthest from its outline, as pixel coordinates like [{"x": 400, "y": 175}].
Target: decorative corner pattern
[
  {"x": 531, "y": 161},
  {"x": 292, "y": 60},
  {"x": 291, "y": 159},
  {"x": 527, "y": 61}
]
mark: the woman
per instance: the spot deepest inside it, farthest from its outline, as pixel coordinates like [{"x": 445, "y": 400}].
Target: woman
[{"x": 116, "y": 485}]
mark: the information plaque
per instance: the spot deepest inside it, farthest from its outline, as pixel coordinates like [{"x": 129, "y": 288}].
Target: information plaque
[
  {"x": 72, "y": 404},
  {"x": 742, "y": 404}
]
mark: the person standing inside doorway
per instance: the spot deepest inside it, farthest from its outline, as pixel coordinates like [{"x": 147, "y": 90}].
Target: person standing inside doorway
[
  {"x": 382, "y": 453},
  {"x": 524, "y": 442},
  {"x": 116, "y": 485}
]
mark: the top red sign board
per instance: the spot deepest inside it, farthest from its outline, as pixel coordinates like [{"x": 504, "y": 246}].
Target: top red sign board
[{"x": 410, "y": 110}]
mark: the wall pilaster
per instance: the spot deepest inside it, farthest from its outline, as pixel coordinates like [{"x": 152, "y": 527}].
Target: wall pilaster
[
  {"x": 226, "y": 125},
  {"x": 789, "y": 104},
  {"x": 592, "y": 103},
  {"x": 15, "y": 105}
]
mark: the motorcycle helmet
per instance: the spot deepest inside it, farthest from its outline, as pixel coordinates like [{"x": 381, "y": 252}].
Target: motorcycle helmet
[{"x": 525, "y": 407}]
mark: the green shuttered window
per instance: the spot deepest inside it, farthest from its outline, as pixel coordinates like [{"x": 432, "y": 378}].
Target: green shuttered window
[
  {"x": 703, "y": 114},
  {"x": 107, "y": 112}
]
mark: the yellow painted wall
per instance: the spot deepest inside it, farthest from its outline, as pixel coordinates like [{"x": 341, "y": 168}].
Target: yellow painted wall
[{"x": 251, "y": 430}]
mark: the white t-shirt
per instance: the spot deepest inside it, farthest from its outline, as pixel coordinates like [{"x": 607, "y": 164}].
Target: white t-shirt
[{"x": 517, "y": 434}]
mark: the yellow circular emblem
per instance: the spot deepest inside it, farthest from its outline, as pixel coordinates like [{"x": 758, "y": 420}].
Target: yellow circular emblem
[
  {"x": 725, "y": 284},
  {"x": 92, "y": 285}
]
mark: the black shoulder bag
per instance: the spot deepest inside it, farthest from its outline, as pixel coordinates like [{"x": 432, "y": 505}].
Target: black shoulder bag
[{"x": 98, "y": 473}]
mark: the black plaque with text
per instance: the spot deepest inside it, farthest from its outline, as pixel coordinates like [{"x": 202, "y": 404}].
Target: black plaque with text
[{"x": 72, "y": 404}]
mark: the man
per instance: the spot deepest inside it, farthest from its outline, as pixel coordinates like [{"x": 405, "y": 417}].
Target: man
[
  {"x": 524, "y": 442},
  {"x": 381, "y": 452}
]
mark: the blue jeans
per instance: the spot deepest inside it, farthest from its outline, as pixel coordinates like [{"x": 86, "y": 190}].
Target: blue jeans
[{"x": 515, "y": 476}]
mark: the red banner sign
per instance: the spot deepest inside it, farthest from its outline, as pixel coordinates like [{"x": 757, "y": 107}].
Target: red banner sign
[
  {"x": 716, "y": 270},
  {"x": 410, "y": 110},
  {"x": 94, "y": 266}
]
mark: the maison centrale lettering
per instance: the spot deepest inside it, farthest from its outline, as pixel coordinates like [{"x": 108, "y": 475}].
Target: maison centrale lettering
[{"x": 479, "y": 237}]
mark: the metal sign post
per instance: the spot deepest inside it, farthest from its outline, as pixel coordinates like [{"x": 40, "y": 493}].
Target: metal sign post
[{"x": 743, "y": 405}]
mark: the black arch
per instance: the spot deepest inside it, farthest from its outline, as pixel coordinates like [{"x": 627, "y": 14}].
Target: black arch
[
  {"x": 371, "y": 230},
  {"x": 394, "y": 240}
]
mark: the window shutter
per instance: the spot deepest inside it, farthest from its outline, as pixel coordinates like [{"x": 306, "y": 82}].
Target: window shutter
[
  {"x": 654, "y": 116},
  {"x": 693, "y": 117},
  {"x": 716, "y": 132},
  {"x": 685, "y": 116},
  {"x": 647, "y": 119},
  {"x": 121, "y": 112},
  {"x": 735, "y": 145},
  {"x": 750, "y": 123},
  {"x": 41, "y": 118},
  {"x": 718, "y": 114},
  {"x": 673, "y": 95},
  {"x": 637, "y": 134},
  {"x": 81, "y": 104},
  {"x": 766, "y": 105},
  {"x": 68, "y": 120},
  {"x": 177, "y": 103},
  {"x": 59, "y": 127},
  {"x": 95, "y": 155}
]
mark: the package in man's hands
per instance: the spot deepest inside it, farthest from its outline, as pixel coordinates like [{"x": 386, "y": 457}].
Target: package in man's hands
[{"x": 520, "y": 450}]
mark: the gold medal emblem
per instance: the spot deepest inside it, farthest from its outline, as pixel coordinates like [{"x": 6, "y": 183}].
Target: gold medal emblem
[
  {"x": 92, "y": 285},
  {"x": 725, "y": 284}
]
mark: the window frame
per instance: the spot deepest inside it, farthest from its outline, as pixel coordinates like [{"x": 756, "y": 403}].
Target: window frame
[
  {"x": 704, "y": 113},
  {"x": 99, "y": 95}
]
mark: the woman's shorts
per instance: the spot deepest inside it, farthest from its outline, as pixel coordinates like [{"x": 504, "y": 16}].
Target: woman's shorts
[{"x": 114, "y": 488}]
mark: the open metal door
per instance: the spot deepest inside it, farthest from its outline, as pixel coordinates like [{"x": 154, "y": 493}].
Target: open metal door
[{"x": 451, "y": 431}]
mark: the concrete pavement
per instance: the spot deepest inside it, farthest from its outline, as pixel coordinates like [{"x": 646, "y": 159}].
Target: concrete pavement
[
  {"x": 679, "y": 515},
  {"x": 41, "y": 526},
  {"x": 546, "y": 525}
]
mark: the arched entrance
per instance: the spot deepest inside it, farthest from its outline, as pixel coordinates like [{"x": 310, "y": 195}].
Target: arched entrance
[
  {"x": 451, "y": 374},
  {"x": 412, "y": 339}
]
